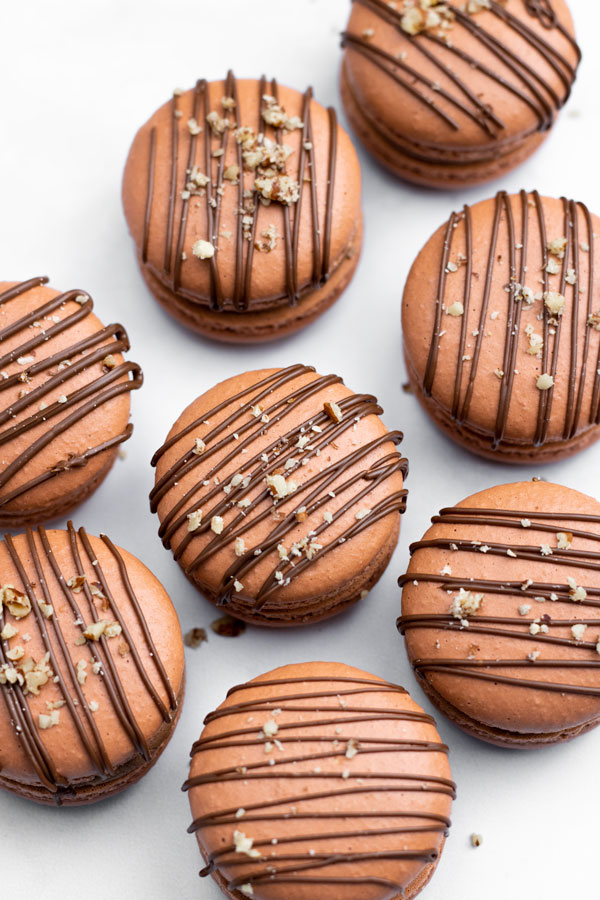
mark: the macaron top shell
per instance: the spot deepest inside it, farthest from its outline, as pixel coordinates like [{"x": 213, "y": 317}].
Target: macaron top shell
[
  {"x": 260, "y": 173},
  {"x": 479, "y": 78},
  {"x": 64, "y": 395},
  {"x": 501, "y": 320},
  {"x": 268, "y": 499},
  {"x": 500, "y": 608},
  {"x": 91, "y": 660},
  {"x": 319, "y": 779}
]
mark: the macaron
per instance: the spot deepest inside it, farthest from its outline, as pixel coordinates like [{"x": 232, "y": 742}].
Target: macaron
[
  {"x": 501, "y": 328},
  {"x": 501, "y": 614},
  {"x": 452, "y": 94},
  {"x": 279, "y": 493},
  {"x": 64, "y": 400},
  {"x": 91, "y": 667},
  {"x": 243, "y": 198},
  {"x": 319, "y": 779}
]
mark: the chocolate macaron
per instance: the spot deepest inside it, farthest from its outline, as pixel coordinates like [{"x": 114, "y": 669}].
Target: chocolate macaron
[
  {"x": 64, "y": 400},
  {"x": 279, "y": 493},
  {"x": 320, "y": 777},
  {"x": 91, "y": 667},
  {"x": 452, "y": 94},
  {"x": 501, "y": 327},
  {"x": 501, "y": 614},
  {"x": 243, "y": 199}
]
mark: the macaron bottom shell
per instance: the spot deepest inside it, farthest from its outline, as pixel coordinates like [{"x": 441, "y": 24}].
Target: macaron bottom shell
[
  {"x": 505, "y": 452},
  {"x": 256, "y": 326},
  {"x": 455, "y": 174}
]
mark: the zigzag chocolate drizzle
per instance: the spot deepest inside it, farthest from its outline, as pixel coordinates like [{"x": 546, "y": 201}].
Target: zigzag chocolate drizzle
[
  {"x": 577, "y": 418},
  {"x": 197, "y": 149},
  {"x": 507, "y": 627},
  {"x": 278, "y": 865},
  {"x": 238, "y": 432},
  {"x": 527, "y": 85},
  {"x": 63, "y": 665},
  {"x": 91, "y": 350}
]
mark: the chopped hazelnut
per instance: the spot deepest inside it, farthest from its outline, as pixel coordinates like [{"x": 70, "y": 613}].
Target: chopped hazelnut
[
  {"x": 203, "y": 249},
  {"x": 544, "y": 382}
]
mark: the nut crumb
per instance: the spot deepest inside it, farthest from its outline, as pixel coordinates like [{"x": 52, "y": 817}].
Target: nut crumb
[{"x": 194, "y": 637}]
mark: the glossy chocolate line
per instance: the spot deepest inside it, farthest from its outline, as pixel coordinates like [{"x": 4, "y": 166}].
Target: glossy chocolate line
[
  {"x": 189, "y": 460},
  {"x": 500, "y": 200},
  {"x": 99, "y": 757},
  {"x": 570, "y": 557},
  {"x": 284, "y": 526},
  {"x": 241, "y": 296},
  {"x": 565, "y": 71},
  {"x": 314, "y": 679},
  {"x": 518, "y": 513},
  {"x": 99, "y": 650},
  {"x": 503, "y": 588},
  {"x": 247, "y": 280},
  {"x": 214, "y": 211},
  {"x": 199, "y": 90},
  {"x": 149, "y": 194},
  {"x": 173, "y": 181},
  {"x": 96, "y": 393},
  {"x": 442, "y": 828},
  {"x": 514, "y": 315},
  {"x": 578, "y": 368},
  {"x": 530, "y": 87},
  {"x": 254, "y": 771},
  {"x": 379, "y": 57},
  {"x": 106, "y": 661},
  {"x": 455, "y": 668},
  {"x": 125, "y": 631},
  {"x": 143, "y": 625},
  {"x": 498, "y": 626},
  {"x": 65, "y": 676},
  {"x": 466, "y": 299},
  {"x": 526, "y": 73},
  {"x": 268, "y": 867},
  {"x": 306, "y": 159},
  {"x": 318, "y": 485},
  {"x": 287, "y": 374},
  {"x": 547, "y": 396}
]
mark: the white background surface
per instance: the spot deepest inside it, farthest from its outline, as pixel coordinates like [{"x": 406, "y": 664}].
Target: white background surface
[{"x": 77, "y": 78}]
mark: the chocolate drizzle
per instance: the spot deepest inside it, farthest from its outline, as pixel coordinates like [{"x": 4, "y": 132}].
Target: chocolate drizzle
[
  {"x": 337, "y": 707},
  {"x": 456, "y": 102},
  {"x": 514, "y": 628},
  {"x": 34, "y": 582},
  {"x": 237, "y": 433},
  {"x": 81, "y": 355},
  {"x": 578, "y": 229},
  {"x": 188, "y": 149}
]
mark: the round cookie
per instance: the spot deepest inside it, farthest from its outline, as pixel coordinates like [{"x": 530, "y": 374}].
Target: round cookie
[
  {"x": 501, "y": 617},
  {"x": 243, "y": 199},
  {"x": 91, "y": 667},
  {"x": 501, "y": 328},
  {"x": 319, "y": 779},
  {"x": 64, "y": 400},
  {"x": 278, "y": 492},
  {"x": 453, "y": 94}
]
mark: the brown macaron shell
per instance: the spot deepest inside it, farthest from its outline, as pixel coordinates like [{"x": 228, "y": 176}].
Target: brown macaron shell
[
  {"x": 337, "y": 777},
  {"x": 460, "y": 104},
  {"x": 64, "y": 390},
  {"x": 503, "y": 662},
  {"x": 305, "y": 555},
  {"x": 117, "y": 697},
  {"x": 255, "y": 287},
  {"x": 475, "y": 345}
]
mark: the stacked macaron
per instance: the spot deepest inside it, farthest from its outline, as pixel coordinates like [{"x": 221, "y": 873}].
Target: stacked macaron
[{"x": 279, "y": 491}]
